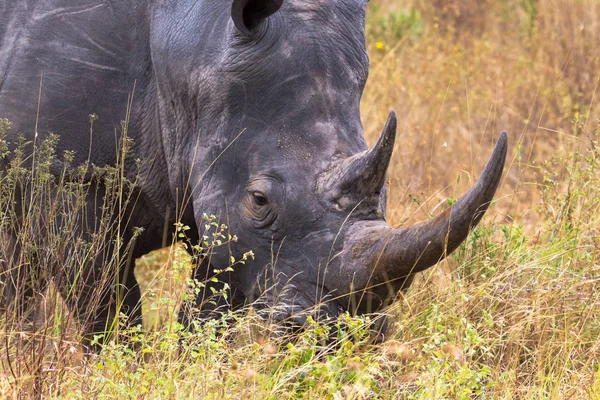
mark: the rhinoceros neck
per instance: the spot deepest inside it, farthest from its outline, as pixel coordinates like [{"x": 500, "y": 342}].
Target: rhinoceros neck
[{"x": 84, "y": 57}]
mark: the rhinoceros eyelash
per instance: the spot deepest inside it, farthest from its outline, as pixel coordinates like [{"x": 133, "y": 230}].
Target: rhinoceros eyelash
[{"x": 260, "y": 199}]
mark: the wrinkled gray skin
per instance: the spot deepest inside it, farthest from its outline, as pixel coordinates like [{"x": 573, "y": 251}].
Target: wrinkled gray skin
[{"x": 252, "y": 107}]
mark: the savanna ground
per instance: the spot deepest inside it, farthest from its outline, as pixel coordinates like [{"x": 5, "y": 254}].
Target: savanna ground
[{"x": 513, "y": 313}]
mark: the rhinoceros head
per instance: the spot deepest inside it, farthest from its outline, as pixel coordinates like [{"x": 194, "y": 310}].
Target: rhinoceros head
[{"x": 276, "y": 149}]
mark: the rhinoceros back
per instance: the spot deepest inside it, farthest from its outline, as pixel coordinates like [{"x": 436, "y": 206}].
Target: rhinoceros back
[{"x": 80, "y": 54}]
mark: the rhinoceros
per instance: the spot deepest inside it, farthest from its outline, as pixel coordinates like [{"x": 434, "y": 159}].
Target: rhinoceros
[{"x": 252, "y": 108}]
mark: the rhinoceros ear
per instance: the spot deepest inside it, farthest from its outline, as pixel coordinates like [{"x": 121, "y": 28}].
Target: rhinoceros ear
[{"x": 247, "y": 15}]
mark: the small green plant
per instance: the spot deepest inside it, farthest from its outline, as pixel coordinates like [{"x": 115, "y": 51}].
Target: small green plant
[
  {"x": 395, "y": 26},
  {"x": 49, "y": 248}
]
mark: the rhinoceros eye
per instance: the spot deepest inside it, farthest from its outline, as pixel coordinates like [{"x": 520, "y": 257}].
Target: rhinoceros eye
[
  {"x": 260, "y": 199},
  {"x": 258, "y": 210}
]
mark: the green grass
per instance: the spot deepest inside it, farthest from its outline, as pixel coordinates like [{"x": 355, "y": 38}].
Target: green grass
[{"x": 513, "y": 313}]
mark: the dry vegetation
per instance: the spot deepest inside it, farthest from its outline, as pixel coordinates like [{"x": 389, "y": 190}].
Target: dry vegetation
[
  {"x": 459, "y": 72},
  {"x": 514, "y": 313}
]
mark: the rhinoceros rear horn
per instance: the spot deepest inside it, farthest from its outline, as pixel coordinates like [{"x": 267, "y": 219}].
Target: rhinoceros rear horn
[
  {"x": 247, "y": 15},
  {"x": 364, "y": 174}
]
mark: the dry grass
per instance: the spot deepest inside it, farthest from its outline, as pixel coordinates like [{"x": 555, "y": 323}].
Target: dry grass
[
  {"x": 512, "y": 314},
  {"x": 473, "y": 69}
]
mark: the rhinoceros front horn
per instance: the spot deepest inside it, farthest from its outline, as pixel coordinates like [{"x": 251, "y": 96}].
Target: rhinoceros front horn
[{"x": 374, "y": 254}]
